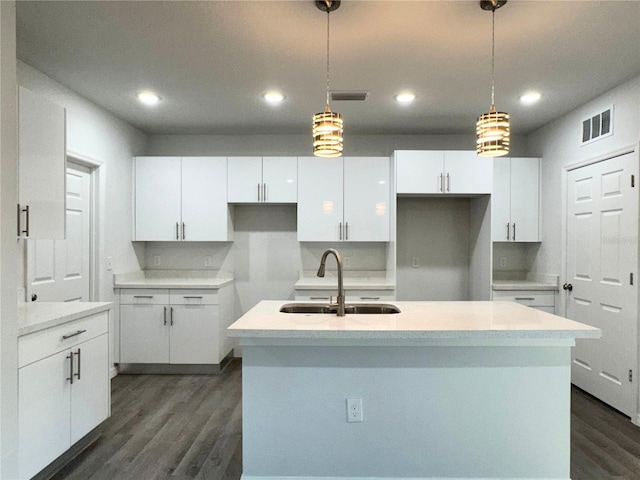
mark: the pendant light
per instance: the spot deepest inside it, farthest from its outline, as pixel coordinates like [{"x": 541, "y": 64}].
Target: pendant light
[
  {"x": 327, "y": 125},
  {"x": 492, "y": 128}
]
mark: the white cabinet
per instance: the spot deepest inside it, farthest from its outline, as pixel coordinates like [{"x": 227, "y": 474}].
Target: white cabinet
[
  {"x": 262, "y": 180},
  {"x": 351, "y": 295},
  {"x": 175, "y": 326},
  {"x": 544, "y": 300},
  {"x": 63, "y": 389},
  {"x": 435, "y": 172},
  {"x": 41, "y": 167},
  {"x": 515, "y": 200},
  {"x": 343, "y": 199},
  {"x": 181, "y": 199}
]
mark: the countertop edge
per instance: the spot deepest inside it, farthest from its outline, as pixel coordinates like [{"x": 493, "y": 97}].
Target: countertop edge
[
  {"x": 523, "y": 287},
  {"x": 182, "y": 284},
  {"x": 93, "y": 308}
]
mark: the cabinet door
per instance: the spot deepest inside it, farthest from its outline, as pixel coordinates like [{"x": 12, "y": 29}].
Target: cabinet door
[
  {"x": 144, "y": 334},
  {"x": 204, "y": 199},
  {"x": 525, "y": 188},
  {"x": 41, "y": 167},
  {"x": 366, "y": 199},
  {"x": 194, "y": 334},
  {"x": 157, "y": 198},
  {"x": 90, "y": 392},
  {"x": 43, "y": 412},
  {"x": 320, "y": 199},
  {"x": 501, "y": 200},
  {"x": 419, "y": 171},
  {"x": 280, "y": 179},
  {"x": 244, "y": 181},
  {"x": 466, "y": 173}
]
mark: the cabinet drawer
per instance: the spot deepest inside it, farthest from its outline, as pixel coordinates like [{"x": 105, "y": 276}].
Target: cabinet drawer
[
  {"x": 531, "y": 298},
  {"x": 44, "y": 343},
  {"x": 144, "y": 296},
  {"x": 194, "y": 297},
  {"x": 350, "y": 295}
]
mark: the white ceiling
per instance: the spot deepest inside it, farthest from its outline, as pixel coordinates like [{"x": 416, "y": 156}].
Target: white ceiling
[{"x": 211, "y": 60}]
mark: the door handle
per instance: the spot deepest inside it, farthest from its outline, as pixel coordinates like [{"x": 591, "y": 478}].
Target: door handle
[
  {"x": 78, "y": 354},
  {"x": 514, "y": 231},
  {"x": 171, "y": 316},
  {"x": 567, "y": 286},
  {"x": 177, "y": 231},
  {"x": 259, "y": 199},
  {"x": 26, "y": 211},
  {"x": 340, "y": 237},
  {"x": 440, "y": 181},
  {"x": 264, "y": 192},
  {"x": 346, "y": 231},
  {"x": 448, "y": 183},
  {"x": 183, "y": 230},
  {"x": 165, "y": 315},
  {"x": 70, "y": 377},
  {"x": 508, "y": 231}
]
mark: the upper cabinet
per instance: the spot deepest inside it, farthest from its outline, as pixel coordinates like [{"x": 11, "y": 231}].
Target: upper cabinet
[
  {"x": 41, "y": 170},
  {"x": 181, "y": 199},
  {"x": 262, "y": 180},
  {"x": 343, "y": 199},
  {"x": 436, "y": 172},
  {"x": 515, "y": 201}
]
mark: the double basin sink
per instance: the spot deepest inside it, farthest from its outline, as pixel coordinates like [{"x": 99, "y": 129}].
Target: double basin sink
[{"x": 354, "y": 308}]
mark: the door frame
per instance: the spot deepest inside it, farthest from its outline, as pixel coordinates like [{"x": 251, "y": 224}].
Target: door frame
[
  {"x": 95, "y": 259},
  {"x": 632, "y": 149}
]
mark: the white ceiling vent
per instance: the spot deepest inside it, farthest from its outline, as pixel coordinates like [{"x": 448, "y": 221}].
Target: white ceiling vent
[
  {"x": 597, "y": 126},
  {"x": 349, "y": 96}
]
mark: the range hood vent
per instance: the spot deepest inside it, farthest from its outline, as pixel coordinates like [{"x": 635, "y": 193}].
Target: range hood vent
[{"x": 349, "y": 96}]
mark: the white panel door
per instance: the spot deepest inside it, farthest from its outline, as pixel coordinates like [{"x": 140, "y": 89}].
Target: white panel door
[
  {"x": 366, "y": 199},
  {"x": 41, "y": 167},
  {"x": 157, "y": 198},
  {"x": 501, "y": 200},
  {"x": 144, "y": 334},
  {"x": 43, "y": 412},
  {"x": 280, "y": 179},
  {"x": 419, "y": 171},
  {"x": 320, "y": 199},
  {"x": 194, "y": 334},
  {"x": 244, "y": 180},
  {"x": 602, "y": 229},
  {"x": 466, "y": 173},
  {"x": 59, "y": 270},
  {"x": 91, "y": 386},
  {"x": 204, "y": 199},
  {"x": 525, "y": 199}
]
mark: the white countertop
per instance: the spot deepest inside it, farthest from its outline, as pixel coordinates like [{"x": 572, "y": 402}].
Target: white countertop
[
  {"x": 523, "y": 285},
  {"x": 36, "y": 316},
  {"x": 172, "y": 279},
  {"x": 417, "y": 320}
]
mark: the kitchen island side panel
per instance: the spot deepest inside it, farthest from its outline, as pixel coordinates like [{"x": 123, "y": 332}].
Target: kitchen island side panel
[{"x": 429, "y": 412}]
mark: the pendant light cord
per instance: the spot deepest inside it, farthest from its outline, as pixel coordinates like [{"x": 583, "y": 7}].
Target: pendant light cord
[
  {"x": 328, "y": 7},
  {"x": 493, "y": 54}
]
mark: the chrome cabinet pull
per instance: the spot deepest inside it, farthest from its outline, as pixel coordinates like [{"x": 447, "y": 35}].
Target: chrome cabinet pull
[
  {"x": 525, "y": 298},
  {"x": 264, "y": 192},
  {"x": 508, "y": 230},
  {"x": 64, "y": 337},
  {"x": 440, "y": 187},
  {"x": 183, "y": 230},
  {"x": 26, "y": 211},
  {"x": 448, "y": 183},
  {"x": 19, "y": 212},
  {"x": 70, "y": 377},
  {"x": 346, "y": 231},
  {"x": 177, "y": 231},
  {"x": 259, "y": 193},
  {"x": 143, "y": 296},
  {"x": 78, "y": 354},
  {"x": 340, "y": 231},
  {"x": 369, "y": 298},
  {"x": 514, "y": 232},
  {"x": 319, "y": 298},
  {"x": 165, "y": 315},
  {"x": 192, "y": 296},
  {"x": 171, "y": 316}
]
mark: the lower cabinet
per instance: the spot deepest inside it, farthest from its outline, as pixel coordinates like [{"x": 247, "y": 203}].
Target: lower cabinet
[
  {"x": 351, "y": 295},
  {"x": 63, "y": 389},
  {"x": 544, "y": 300},
  {"x": 175, "y": 326}
]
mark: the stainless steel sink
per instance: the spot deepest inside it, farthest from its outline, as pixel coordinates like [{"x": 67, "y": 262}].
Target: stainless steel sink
[{"x": 357, "y": 308}]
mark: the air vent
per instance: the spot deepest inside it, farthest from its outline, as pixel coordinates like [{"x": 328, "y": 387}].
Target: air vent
[
  {"x": 349, "y": 96},
  {"x": 597, "y": 126}
]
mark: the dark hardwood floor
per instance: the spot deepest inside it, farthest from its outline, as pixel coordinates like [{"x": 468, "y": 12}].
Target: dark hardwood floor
[{"x": 190, "y": 427}]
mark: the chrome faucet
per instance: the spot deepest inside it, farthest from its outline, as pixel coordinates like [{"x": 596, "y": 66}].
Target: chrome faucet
[{"x": 335, "y": 253}]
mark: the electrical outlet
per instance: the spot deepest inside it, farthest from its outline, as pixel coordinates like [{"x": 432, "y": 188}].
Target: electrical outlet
[
  {"x": 208, "y": 261},
  {"x": 354, "y": 410},
  {"x": 415, "y": 262},
  {"x": 503, "y": 262},
  {"x": 156, "y": 260},
  {"x": 109, "y": 261},
  {"x": 347, "y": 262}
]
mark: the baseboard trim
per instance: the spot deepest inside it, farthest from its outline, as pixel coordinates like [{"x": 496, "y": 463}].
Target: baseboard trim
[
  {"x": 174, "y": 369},
  {"x": 296, "y": 477}
]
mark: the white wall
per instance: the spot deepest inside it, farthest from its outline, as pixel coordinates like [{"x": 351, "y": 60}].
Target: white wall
[
  {"x": 558, "y": 144},
  {"x": 8, "y": 247}
]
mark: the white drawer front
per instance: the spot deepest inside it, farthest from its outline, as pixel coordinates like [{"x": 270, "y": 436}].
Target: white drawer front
[
  {"x": 194, "y": 297},
  {"x": 144, "y": 296},
  {"x": 350, "y": 295},
  {"x": 44, "y": 343},
  {"x": 531, "y": 298}
]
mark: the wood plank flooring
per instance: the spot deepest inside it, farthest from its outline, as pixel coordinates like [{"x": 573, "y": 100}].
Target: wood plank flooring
[{"x": 190, "y": 427}]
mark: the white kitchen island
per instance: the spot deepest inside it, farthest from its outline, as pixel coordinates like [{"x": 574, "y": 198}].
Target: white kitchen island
[{"x": 449, "y": 390}]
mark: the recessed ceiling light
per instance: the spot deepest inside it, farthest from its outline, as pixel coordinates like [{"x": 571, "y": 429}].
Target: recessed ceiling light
[
  {"x": 530, "y": 98},
  {"x": 148, "y": 98},
  {"x": 405, "y": 97},
  {"x": 273, "y": 97}
]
